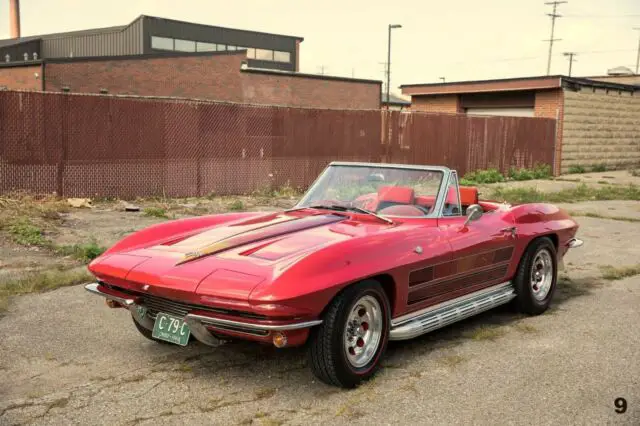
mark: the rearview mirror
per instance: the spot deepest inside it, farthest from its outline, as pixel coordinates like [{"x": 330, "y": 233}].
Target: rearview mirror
[{"x": 474, "y": 212}]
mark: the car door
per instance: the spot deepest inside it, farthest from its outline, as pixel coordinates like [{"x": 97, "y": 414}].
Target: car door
[{"x": 481, "y": 250}]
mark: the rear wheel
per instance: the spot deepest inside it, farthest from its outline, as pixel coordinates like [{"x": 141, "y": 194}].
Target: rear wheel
[
  {"x": 536, "y": 278},
  {"x": 346, "y": 348}
]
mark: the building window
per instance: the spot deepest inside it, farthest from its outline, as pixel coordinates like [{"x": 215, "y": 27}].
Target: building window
[
  {"x": 206, "y": 47},
  {"x": 222, "y": 47},
  {"x": 161, "y": 43},
  {"x": 251, "y": 53},
  {"x": 66, "y": 89},
  {"x": 264, "y": 55},
  {"x": 184, "y": 45},
  {"x": 281, "y": 56},
  {"x": 103, "y": 91}
]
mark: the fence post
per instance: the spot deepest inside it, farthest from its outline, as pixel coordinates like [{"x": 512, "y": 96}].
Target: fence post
[{"x": 62, "y": 158}]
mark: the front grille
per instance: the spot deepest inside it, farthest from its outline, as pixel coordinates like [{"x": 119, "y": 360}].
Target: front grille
[{"x": 155, "y": 304}]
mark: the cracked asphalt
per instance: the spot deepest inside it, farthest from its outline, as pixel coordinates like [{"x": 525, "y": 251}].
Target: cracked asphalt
[{"x": 66, "y": 359}]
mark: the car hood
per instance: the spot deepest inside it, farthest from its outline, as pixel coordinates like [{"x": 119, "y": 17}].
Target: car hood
[{"x": 234, "y": 257}]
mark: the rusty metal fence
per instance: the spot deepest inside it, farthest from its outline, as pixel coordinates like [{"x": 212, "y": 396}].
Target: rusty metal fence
[{"x": 89, "y": 145}]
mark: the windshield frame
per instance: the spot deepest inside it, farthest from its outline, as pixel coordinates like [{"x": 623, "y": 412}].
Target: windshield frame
[{"x": 440, "y": 196}]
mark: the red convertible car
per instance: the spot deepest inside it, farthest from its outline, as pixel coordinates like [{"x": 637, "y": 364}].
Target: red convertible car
[{"x": 371, "y": 253}]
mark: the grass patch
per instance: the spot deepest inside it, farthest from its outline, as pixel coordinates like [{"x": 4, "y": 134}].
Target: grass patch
[
  {"x": 485, "y": 333},
  {"x": 600, "y": 216},
  {"x": 577, "y": 169},
  {"x": 619, "y": 272},
  {"x": 265, "y": 393},
  {"x": 526, "y": 328},
  {"x": 24, "y": 232},
  {"x": 41, "y": 282},
  {"x": 482, "y": 176},
  {"x": 581, "y": 192},
  {"x": 635, "y": 172},
  {"x": 158, "y": 212},
  {"x": 599, "y": 168},
  {"x": 235, "y": 205},
  {"x": 451, "y": 361},
  {"x": 541, "y": 171},
  {"x": 84, "y": 252}
]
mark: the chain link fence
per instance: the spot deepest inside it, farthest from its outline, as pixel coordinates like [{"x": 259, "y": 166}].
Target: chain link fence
[{"x": 113, "y": 146}]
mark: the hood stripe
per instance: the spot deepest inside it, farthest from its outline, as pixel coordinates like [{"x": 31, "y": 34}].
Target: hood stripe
[{"x": 263, "y": 233}]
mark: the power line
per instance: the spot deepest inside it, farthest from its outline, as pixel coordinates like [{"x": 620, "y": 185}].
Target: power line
[
  {"x": 570, "y": 55},
  {"x": 553, "y": 16},
  {"x": 601, "y": 16}
]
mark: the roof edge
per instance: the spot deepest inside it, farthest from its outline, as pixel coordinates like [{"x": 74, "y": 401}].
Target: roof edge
[
  {"x": 304, "y": 75},
  {"x": 216, "y": 26},
  {"x": 496, "y": 80},
  {"x": 168, "y": 54}
]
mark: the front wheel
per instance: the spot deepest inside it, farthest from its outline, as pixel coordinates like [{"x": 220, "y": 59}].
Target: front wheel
[
  {"x": 346, "y": 348},
  {"x": 536, "y": 278}
]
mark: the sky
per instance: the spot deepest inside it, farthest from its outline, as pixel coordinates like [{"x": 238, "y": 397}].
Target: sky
[{"x": 455, "y": 39}]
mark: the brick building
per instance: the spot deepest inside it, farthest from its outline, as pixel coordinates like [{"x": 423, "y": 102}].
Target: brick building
[
  {"x": 147, "y": 35},
  {"x": 598, "y": 122},
  {"x": 221, "y": 76}
]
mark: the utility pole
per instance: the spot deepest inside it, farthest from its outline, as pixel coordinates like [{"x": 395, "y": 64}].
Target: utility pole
[
  {"x": 321, "y": 69},
  {"x": 443, "y": 79},
  {"x": 389, "y": 59},
  {"x": 638, "y": 57},
  {"x": 570, "y": 55},
  {"x": 553, "y": 16}
]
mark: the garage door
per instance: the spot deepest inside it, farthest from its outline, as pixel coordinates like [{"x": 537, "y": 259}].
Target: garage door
[{"x": 510, "y": 112}]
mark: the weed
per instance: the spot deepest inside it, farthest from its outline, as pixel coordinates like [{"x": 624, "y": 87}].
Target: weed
[
  {"x": 482, "y": 176},
  {"x": 24, "y": 232},
  {"x": 451, "y": 360},
  {"x": 185, "y": 368},
  {"x": 485, "y": 333},
  {"x": 599, "y": 168},
  {"x": 581, "y": 192},
  {"x": 41, "y": 282},
  {"x": 265, "y": 393},
  {"x": 577, "y": 169},
  {"x": 155, "y": 212},
  {"x": 540, "y": 171},
  {"x": 635, "y": 172},
  {"x": 236, "y": 205},
  {"x": 84, "y": 252},
  {"x": 260, "y": 414},
  {"x": 526, "y": 328},
  {"x": 601, "y": 216},
  {"x": 604, "y": 182},
  {"x": 617, "y": 273}
]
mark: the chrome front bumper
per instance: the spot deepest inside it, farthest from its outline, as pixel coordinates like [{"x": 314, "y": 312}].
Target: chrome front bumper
[{"x": 198, "y": 323}]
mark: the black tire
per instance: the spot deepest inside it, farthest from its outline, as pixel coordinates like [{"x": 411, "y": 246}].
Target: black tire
[
  {"x": 146, "y": 332},
  {"x": 526, "y": 300},
  {"x": 327, "y": 349}
]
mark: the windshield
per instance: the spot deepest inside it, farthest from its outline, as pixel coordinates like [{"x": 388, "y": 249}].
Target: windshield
[{"x": 383, "y": 190}]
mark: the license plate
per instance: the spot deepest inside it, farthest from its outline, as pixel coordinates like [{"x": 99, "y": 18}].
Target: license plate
[{"x": 171, "y": 329}]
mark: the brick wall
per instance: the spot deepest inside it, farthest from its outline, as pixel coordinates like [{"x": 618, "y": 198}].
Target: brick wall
[
  {"x": 550, "y": 104},
  {"x": 438, "y": 103},
  {"x": 21, "y": 78},
  {"x": 216, "y": 77},
  {"x": 601, "y": 127},
  {"x": 268, "y": 87}
]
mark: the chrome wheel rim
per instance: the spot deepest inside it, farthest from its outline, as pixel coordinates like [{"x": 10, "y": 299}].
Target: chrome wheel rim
[
  {"x": 541, "y": 274},
  {"x": 363, "y": 331}
]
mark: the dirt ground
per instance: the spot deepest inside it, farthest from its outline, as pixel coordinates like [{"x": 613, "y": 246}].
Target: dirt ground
[{"x": 67, "y": 359}]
